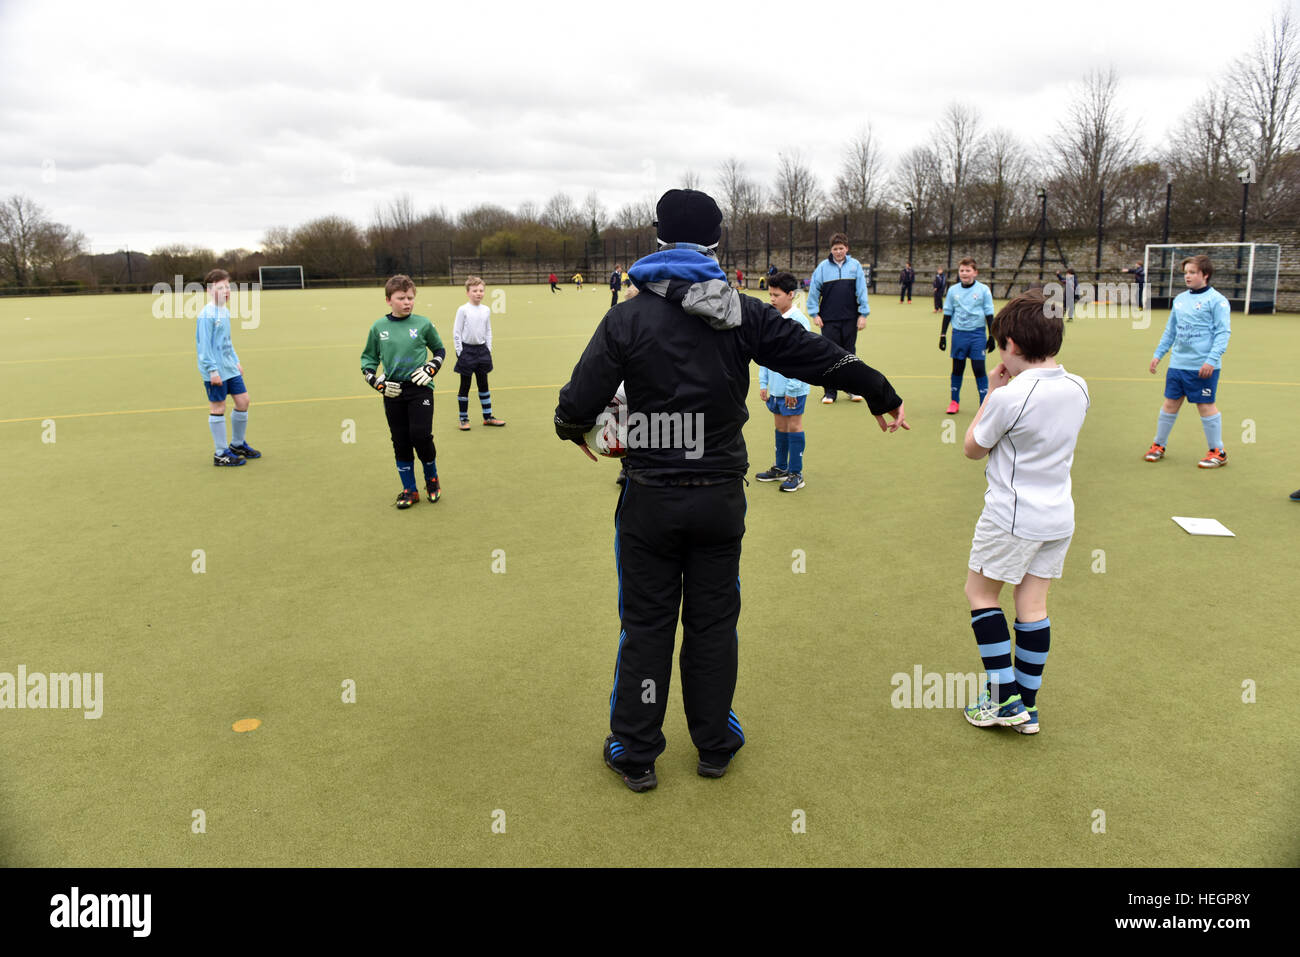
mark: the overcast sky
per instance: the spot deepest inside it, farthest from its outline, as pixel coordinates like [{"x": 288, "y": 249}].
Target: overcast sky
[{"x": 146, "y": 123}]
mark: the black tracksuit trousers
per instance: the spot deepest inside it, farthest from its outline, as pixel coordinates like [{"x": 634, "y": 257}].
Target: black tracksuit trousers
[
  {"x": 844, "y": 333},
  {"x": 677, "y": 547}
]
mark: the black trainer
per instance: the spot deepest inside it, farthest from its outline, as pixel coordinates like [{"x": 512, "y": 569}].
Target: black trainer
[
  {"x": 707, "y": 769},
  {"x": 227, "y": 457},
  {"x": 637, "y": 779},
  {"x": 246, "y": 450},
  {"x": 774, "y": 474}
]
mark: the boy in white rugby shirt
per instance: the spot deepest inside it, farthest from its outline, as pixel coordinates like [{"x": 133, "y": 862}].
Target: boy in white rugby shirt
[
  {"x": 472, "y": 337},
  {"x": 1027, "y": 425}
]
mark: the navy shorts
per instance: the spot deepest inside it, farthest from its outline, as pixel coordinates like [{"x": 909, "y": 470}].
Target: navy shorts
[
  {"x": 968, "y": 344},
  {"x": 218, "y": 393},
  {"x": 776, "y": 403},
  {"x": 473, "y": 358},
  {"x": 1187, "y": 384}
]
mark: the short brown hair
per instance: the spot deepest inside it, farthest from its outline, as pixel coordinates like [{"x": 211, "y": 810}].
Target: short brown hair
[
  {"x": 969, "y": 262},
  {"x": 398, "y": 283},
  {"x": 1202, "y": 263},
  {"x": 215, "y": 276},
  {"x": 1026, "y": 320},
  {"x": 474, "y": 281},
  {"x": 839, "y": 239}
]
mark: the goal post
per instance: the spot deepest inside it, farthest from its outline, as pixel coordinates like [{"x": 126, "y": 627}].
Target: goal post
[
  {"x": 280, "y": 277},
  {"x": 1245, "y": 273}
]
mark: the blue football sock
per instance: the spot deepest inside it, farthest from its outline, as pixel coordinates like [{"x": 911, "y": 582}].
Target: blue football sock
[
  {"x": 982, "y": 383},
  {"x": 217, "y": 423},
  {"x": 238, "y": 426},
  {"x": 1163, "y": 425},
  {"x": 431, "y": 469},
  {"x": 782, "y": 449},
  {"x": 796, "y": 451},
  {"x": 1032, "y": 641},
  {"x": 990, "y": 627},
  {"x": 1213, "y": 426},
  {"x": 956, "y": 388},
  {"x": 485, "y": 400},
  {"x": 407, "y": 471}
]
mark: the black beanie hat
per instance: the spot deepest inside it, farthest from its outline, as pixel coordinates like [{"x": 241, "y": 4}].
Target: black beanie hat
[{"x": 688, "y": 216}]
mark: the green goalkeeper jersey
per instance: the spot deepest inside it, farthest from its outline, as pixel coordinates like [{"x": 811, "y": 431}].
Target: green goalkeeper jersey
[{"x": 401, "y": 345}]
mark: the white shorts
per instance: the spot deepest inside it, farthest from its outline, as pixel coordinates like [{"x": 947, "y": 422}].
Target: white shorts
[{"x": 1004, "y": 557}]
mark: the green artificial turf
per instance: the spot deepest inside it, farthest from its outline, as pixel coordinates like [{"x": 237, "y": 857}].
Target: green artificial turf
[{"x": 480, "y": 692}]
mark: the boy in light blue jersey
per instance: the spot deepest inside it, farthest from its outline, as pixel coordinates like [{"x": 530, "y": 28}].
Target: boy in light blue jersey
[
  {"x": 969, "y": 307},
  {"x": 1198, "y": 331},
  {"x": 222, "y": 373},
  {"x": 785, "y": 397}
]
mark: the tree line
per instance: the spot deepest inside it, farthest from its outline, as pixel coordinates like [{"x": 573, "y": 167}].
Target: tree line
[{"x": 967, "y": 177}]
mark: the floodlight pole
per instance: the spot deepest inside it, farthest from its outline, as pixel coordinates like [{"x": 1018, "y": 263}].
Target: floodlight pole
[
  {"x": 911, "y": 227},
  {"x": 1245, "y": 198},
  {"x": 1169, "y": 195},
  {"x": 950, "y": 220},
  {"x": 1042, "y": 234}
]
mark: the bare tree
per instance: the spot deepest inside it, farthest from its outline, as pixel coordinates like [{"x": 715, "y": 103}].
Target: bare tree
[
  {"x": 1202, "y": 156},
  {"x": 859, "y": 183},
  {"x": 795, "y": 192},
  {"x": 561, "y": 213},
  {"x": 593, "y": 211},
  {"x": 331, "y": 247},
  {"x": 33, "y": 247},
  {"x": 636, "y": 215},
  {"x": 529, "y": 212},
  {"x": 955, "y": 143},
  {"x": 1094, "y": 144},
  {"x": 276, "y": 243},
  {"x": 916, "y": 181},
  {"x": 690, "y": 179},
  {"x": 1000, "y": 179},
  {"x": 1266, "y": 89},
  {"x": 741, "y": 196}
]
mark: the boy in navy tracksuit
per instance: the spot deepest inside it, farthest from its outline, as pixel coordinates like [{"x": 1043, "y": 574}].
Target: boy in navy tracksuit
[{"x": 837, "y": 301}]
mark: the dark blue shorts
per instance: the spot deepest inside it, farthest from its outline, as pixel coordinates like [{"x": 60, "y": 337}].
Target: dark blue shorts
[
  {"x": 776, "y": 403},
  {"x": 969, "y": 344},
  {"x": 1187, "y": 384},
  {"x": 217, "y": 393}
]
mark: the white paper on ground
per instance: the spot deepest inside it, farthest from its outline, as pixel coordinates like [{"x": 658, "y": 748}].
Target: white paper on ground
[{"x": 1203, "y": 526}]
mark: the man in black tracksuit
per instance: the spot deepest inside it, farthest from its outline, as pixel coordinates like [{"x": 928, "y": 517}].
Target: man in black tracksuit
[
  {"x": 615, "y": 283},
  {"x": 905, "y": 280},
  {"x": 682, "y": 348}
]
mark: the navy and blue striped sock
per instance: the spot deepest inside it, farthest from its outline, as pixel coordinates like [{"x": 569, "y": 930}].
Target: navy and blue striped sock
[
  {"x": 990, "y": 627},
  {"x": 1032, "y": 641},
  {"x": 463, "y": 402},
  {"x": 485, "y": 400}
]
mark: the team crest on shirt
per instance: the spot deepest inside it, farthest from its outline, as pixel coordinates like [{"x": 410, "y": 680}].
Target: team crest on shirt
[{"x": 413, "y": 333}]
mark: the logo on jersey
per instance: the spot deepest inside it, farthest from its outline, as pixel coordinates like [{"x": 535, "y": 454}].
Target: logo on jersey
[
  {"x": 383, "y": 334},
  {"x": 413, "y": 333}
]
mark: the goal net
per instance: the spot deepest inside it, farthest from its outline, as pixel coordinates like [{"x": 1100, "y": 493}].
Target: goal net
[
  {"x": 1246, "y": 273},
  {"x": 280, "y": 277}
]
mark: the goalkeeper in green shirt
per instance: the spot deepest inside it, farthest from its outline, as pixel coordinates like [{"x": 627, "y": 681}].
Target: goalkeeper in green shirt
[{"x": 402, "y": 344}]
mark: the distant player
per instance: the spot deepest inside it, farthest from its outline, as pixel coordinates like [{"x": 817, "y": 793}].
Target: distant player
[
  {"x": 577, "y": 280},
  {"x": 1027, "y": 426},
  {"x": 223, "y": 374},
  {"x": 740, "y": 279},
  {"x": 1140, "y": 277},
  {"x": 905, "y": 280},
  {"x": 411, "y": 353},
  {"x": 837, "y": 301},
  {"x": 940, "y": 286},
  {"x": 969, "y": 307},
  {"x": 785, "y": 397},
  {"x": 1070, "y": 280},
  {"x": 615, "y": 284},
  {"x": 1198, "y": 330},
  {"x": 472, "y": 337},
  {"x": 555, "y": 284}
]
